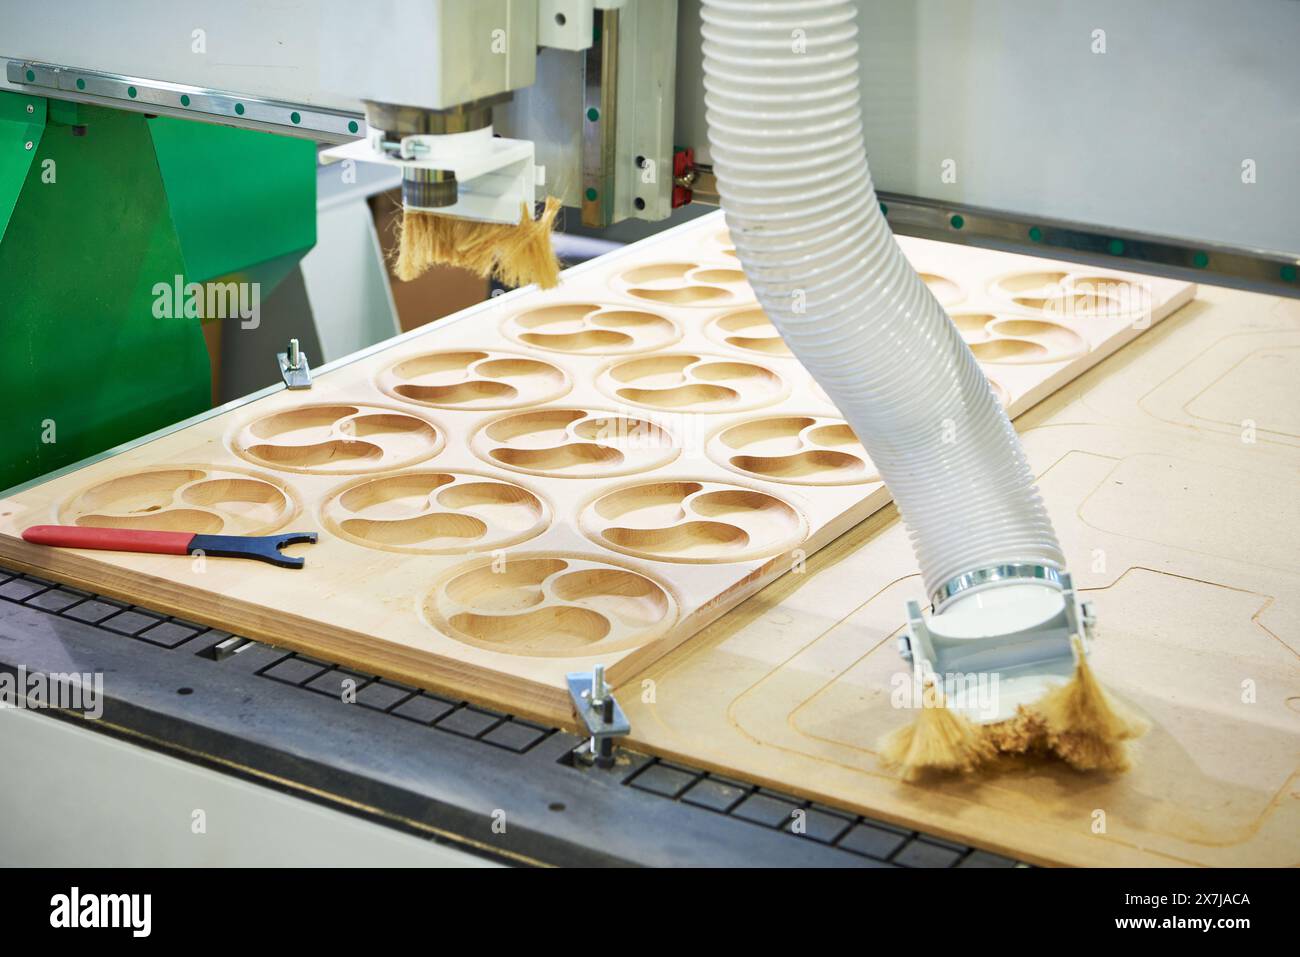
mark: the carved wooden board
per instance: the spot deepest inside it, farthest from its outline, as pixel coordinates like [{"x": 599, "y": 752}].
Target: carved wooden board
[
  {"x": 1170, "y": 473},
  {"x": 550, "y": 480}
]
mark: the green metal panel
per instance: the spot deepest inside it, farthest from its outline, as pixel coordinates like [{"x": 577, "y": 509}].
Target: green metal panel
[
  {"x": 84, "y": 363},
  {"x": 243, "y": 202},
  {"x": 22, "y": 121},
  {"x": 132, "y": 202},
  {"x": 65, "y": 112}
]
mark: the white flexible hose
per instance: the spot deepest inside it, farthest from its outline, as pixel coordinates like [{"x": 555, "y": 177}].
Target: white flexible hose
[{"x": 781, "y": 82}]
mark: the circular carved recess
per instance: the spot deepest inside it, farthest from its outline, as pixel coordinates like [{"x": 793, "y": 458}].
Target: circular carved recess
[
  {"x": 337, "y": 439},
  {"x": 720, "y": 242},
  {"x": 686, "y": 282},
  {"x": 203, "y": 499},
  {"x": 1067, "y": 296},
  {"x": 435, "y": 513},
  {"x": 544, "y": 605},
  {"x": 575, "y": 443},
  {"x": 686, "y": 382},
  {"x": 1017, "y": 340},
  {"x": 749, "y": 330},
  {"x": 795, "y": 449},
  {"x": 1111, "y": 297},
  {"x": 586, "y": 328},
  {"x": 474, "y": 379},
  {"x": 945, "y": 290},
  {"x": 693, "y": 522}
]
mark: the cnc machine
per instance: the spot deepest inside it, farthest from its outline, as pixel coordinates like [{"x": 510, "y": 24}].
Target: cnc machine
[{"x": 229, "y": 152}]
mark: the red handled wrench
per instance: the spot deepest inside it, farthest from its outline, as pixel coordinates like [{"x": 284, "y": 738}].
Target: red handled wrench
[{"x": 264, "y": 548}]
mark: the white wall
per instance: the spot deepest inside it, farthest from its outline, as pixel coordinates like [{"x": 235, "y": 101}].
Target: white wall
[{"x": 1148, "y": 136}]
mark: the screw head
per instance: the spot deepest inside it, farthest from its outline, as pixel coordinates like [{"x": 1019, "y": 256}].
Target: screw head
[
  {"x": 27, "y": 145},
  {"x": 30, "y": 108}
]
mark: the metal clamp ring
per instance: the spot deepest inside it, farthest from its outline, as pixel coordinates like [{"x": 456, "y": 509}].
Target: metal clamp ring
[{"x": 991, "y": 574}]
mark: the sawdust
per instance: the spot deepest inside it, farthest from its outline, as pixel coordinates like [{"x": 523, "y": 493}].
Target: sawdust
[
  {"x": 1083, "y": 725},
  {"x": 939, "y": 739},
  {"x": 1076, "y": 722},
  {"x": 514, "y": 255}
]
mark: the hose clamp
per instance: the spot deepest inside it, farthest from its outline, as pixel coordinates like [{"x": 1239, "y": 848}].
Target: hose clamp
[{"x": 1020, "y": 571}]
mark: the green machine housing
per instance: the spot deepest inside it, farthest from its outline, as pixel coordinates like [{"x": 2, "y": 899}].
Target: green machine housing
[{"x": 104, "y": 215}]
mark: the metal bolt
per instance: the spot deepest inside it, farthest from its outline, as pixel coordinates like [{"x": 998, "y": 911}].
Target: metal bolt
[
  {"x": 27, "y": 145},
  {"x": 295, "y": 360},
  {"x": 30, "y": 108},
  {"x": 598, "y": 688}
]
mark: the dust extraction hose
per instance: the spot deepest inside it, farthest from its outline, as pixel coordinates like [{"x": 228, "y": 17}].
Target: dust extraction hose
[{"x": 785, "y": 131}]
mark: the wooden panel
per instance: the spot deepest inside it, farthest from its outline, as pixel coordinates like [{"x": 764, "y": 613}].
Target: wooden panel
[
  {"x": 1172, "y": 484},
  {"x": 552, "y": 479}
]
